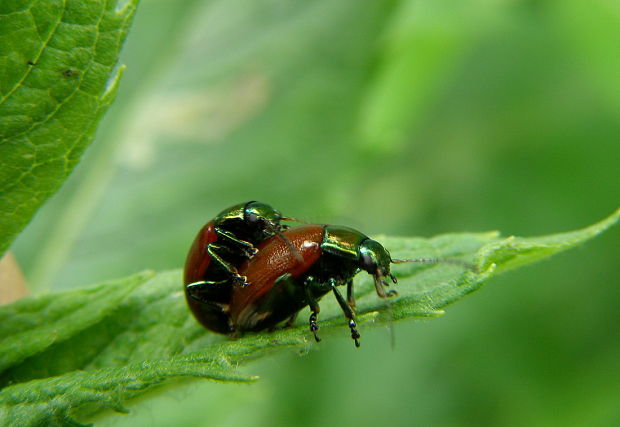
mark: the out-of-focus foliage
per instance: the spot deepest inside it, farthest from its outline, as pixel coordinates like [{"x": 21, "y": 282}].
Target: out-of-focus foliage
[
  {"x": 58, "y": 75},
  {"x": 408, "y": 118}
]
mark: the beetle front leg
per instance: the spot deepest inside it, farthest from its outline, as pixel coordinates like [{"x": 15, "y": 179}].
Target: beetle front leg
[
  {"x": 350, "y": 294},
  {"x": 380, "y": 287},
  {"x": 314, "y": 307},
  {"x": 247, "y": 248},
  {"x": 213, "y": 250},
  {"x": 348, "y": 312}
]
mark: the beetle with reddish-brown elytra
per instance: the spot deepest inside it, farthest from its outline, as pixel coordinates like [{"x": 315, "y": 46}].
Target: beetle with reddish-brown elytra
[{"x": 217, "y": 251}]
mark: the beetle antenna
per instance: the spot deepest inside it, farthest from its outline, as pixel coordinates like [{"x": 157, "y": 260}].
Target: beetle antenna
[
  {"x": 277, "y": 231},
  {"x": 453, "y": 261},
  {"x": 290, "y": 218},
  {"x": 291, "y": 247}
]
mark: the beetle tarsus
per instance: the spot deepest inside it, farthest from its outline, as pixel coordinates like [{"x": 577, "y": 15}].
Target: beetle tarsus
[
  {"x": 314, "y": 327},
  {"x": 240, "y": 280},
  {"x": 345, "y": 305},
  {"x": 354, "y": 333}
]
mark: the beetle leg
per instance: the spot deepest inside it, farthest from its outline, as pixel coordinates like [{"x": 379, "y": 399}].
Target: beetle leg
[
  {"x": 212, "y": 249},
  {"x": 314, "y": 307},
  {"x": 247, "y": 248},
  {"x": 215, "y": 294},
  {"x": 256, "y": 315},
  {"x": 314, "y": 327},
  {"x": 289, "y": 323},
  {"x": 348, "y": 312},
  {"x": 350, "y": 294},
  {"x": 291, "y": 320}
]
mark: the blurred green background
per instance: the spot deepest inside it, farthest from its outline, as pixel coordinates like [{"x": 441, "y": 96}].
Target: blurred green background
[{"x": 397, "y": 117}]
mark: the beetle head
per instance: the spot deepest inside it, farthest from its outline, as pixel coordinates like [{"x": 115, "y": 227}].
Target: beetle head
[
  {"x": 263, "y": 216},
  {"x": 376, "y": 260},
  {"x": 266, "y": 219}
]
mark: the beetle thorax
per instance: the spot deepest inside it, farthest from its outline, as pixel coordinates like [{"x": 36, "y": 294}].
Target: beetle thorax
[{"x": 334, "y": 267}]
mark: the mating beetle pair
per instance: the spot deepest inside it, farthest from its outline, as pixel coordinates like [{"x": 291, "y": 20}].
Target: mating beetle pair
[{"x": 247, "y": 272}]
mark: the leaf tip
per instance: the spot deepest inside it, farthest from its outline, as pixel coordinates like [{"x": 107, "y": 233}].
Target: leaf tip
[{"x": 596, "y": 228}]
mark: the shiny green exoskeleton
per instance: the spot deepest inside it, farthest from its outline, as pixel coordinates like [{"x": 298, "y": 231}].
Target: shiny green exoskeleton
[{"x": 243, "y": 226}]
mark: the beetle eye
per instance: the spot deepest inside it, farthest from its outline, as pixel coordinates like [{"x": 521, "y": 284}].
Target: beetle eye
[
  {"x": 252, "y": 218},
  {"x": 368, "y": 263}
]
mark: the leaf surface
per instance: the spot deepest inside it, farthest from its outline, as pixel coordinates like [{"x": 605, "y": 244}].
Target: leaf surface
[
  {"x": 69, "y": 355},
  {"x": 59, "y": 75}
]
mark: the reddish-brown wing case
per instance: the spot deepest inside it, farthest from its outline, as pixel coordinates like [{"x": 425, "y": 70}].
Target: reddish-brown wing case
[{"x": 275, "y": 258}]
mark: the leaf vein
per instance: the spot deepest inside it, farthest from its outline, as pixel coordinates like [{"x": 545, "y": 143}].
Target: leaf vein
[{"x": 39, "y": 53}]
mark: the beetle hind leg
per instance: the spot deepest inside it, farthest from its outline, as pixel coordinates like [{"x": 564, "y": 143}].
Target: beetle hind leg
[
  {"x": 210, "y": 303},
  {"x": 348, "y": 312},
  {"x": 291, "y": 320},
  {"x": 209, "y": 292},
  {"x": 314, "y": 308},
  {"x": 289, "y": 323}
]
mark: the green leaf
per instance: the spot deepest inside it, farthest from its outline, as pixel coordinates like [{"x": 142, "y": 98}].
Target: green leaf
[
  {"x": 59, "y": 74},
  {"x": 69, "y": 355},
  {"x": 32, "y": 325},
  {"x": 57, "y": 400}
]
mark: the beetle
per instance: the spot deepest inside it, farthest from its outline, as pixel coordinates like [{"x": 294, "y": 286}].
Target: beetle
[
  {"x": 280, "y": 283},
  {"x": 220, "y": 246}
]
